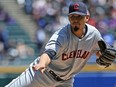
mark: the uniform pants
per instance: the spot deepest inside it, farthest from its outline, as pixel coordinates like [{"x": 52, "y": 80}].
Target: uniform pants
[{"x": 31, "y": 78}]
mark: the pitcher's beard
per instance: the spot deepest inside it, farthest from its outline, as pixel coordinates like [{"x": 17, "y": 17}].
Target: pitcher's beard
[{"x": 76, "y": 28}]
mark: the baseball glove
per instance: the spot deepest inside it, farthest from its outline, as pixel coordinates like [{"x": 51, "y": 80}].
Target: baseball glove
[{"x": 108, "y": 55}]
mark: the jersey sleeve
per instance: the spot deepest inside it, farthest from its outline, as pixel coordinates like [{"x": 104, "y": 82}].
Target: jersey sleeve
[
  {"x": 98, "y": 38},
  {"x": 56, "y": 42}
]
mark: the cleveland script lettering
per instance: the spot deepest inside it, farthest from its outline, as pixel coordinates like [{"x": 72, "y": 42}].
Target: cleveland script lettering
[{"x": 75, "y": 54}]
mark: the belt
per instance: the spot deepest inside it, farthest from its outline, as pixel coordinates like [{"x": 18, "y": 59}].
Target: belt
[{"x": 55, "y": 77}]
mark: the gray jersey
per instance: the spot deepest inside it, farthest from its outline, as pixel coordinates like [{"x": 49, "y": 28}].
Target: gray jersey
[{"x": 72, "y": 53}]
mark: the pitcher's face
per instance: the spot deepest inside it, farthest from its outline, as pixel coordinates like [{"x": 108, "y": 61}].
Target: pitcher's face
[{"x": 77, "y": 21}]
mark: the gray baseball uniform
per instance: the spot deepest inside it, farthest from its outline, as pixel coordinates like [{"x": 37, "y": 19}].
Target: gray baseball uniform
[{"x": 72, "y": 54}]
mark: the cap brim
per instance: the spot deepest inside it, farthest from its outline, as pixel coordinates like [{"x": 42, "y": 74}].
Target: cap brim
[{"x": 79, "y": 13}]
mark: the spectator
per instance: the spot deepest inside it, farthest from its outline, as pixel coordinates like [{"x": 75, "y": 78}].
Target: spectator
[
  {"x": 4, "y": 36},
  {"x": 24, "y": 50},
  {"x": 41, "y": 37},
  {"x": 28, "y": 6}
]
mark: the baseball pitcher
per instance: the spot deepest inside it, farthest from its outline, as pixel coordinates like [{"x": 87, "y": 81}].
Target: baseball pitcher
[{"x": 66, "y": 53}]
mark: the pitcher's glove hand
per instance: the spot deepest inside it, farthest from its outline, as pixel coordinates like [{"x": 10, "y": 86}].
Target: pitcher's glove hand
[{"x": 108, "y": 55}]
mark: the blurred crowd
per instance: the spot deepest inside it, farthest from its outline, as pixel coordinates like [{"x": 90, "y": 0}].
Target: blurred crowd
[
  {"x": 5, "y": 20},
  {"x": 11, "y": 49},
  {"x": 51, "y": 15}
]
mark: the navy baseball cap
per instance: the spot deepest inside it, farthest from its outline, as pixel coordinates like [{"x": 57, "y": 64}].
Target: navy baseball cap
[{"x": 78, "y": 8}]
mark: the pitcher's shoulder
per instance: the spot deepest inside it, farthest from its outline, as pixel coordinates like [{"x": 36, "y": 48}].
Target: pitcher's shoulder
[
  {"x": 92, "y": 28},
  {"x": 63, "y": 30}
]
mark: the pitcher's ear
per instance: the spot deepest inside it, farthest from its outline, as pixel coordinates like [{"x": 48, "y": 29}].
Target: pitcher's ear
[{"x": 87, "y": 18}]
